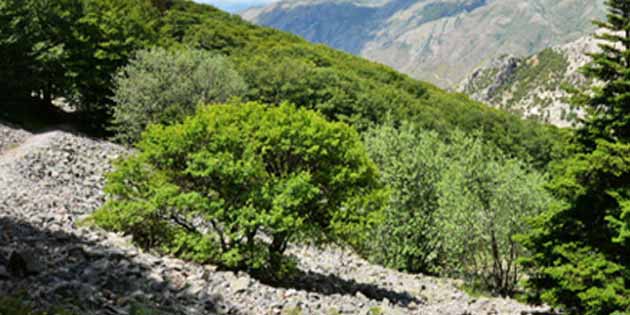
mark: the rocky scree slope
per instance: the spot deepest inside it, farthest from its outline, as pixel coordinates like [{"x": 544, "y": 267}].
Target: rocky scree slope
[
  {"x": 441, "y": 41},
  {"x": 534, "y": 86},
  {"x": 50, "y": 181}
]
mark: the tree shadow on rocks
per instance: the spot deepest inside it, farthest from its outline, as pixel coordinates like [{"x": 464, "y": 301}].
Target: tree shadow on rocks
[
  {"x": 82, "y": 272},
  {"x": 332, "y": 284}
]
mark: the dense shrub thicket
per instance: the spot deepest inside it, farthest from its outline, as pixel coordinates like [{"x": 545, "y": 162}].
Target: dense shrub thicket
[
  {"x": 160, "y": 86},
  {"x": 455, "y": 206},
  {"x": 234, "y": 184},
  {"x": 485, "y": 199},
  {"x": 412, "y": 163}
]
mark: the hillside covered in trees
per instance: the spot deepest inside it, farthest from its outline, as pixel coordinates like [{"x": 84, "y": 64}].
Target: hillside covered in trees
[
  {"x": 242, "y": 160},
  {"x": 78, "y": 56}
]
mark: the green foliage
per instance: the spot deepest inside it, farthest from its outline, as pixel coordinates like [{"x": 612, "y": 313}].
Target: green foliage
[
  {"x": 109, "y": 33},
  {"x": 292, "y": 311},
  {"x": 546, "y": 69},
  {"x": 608, "y": 112},
  {"x": 455, "y": 205},
  {"x": 581, "y": 247},
  {"x": 160, "y": 86},
  {"x": 70, "y": 48},
  {"x": 375, "y": 310},
  {"x": 482, "y": 80},
  {"x": 333, "y": 311},
  {"x": 281, "y": 67},
  {"x": 137, "y": 309},
  {"x": 412, "y": 163},
  {"x": 484, "y": 198},
  {"x": 92, "y": 39},
  {"x": 221, "y": 183},
  {"x": 581, "y": 259},
  {"x": 33, "y": 47}
]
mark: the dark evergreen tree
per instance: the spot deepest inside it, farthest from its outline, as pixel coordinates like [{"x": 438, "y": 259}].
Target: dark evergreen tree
[
  {"x": 608, "y": 106},
  {"x": 581, "y": 248}
]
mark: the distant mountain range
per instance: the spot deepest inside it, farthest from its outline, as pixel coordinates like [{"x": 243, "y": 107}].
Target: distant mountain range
[{"x": 441, "y": 41}]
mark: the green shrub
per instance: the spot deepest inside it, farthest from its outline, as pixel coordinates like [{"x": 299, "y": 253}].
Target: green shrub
[
  {"x": 292, "y": 311},
  {"x": 454, "y": 205},
  {"x": 234, "y": 184},
  {"x": 411, "y": 162},
  {"x": 333, "y": 311},
  {"x": 485, "y": 198},
  {"x": 161, "y": 86}
]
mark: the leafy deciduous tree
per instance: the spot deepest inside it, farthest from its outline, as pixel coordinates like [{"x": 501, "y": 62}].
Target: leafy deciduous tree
[
  {"x": 215, "y": 186},
  {"x": 484, "y": 200},
  {"x": 455, "y": 205},
  {"x": 162, "y": 86},
  {"x": 412, "y": 163}
]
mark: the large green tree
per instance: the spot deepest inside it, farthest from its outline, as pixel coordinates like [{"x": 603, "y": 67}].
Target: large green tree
[
  {"x": 110, "y": 31},
  {"x": 608, "y": 106},
  {"x": 234, "y": 184},
  {"x": 484, "y": 198},
  {"x": 581, "y": 248}
]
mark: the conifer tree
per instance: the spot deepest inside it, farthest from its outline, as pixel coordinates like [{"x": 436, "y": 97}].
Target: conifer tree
[
  {"x": 608, "y": 106},
  {"x": 580, "y": 248}
]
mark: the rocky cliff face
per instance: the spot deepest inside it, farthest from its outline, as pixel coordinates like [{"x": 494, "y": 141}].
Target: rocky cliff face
[
  {"x": 440, "y": 41},
  {"x": 534, "y": 85}
]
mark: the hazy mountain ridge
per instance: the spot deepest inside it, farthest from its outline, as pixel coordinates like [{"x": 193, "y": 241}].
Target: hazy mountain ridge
[
  {"x": 350, "y": 25},
  {"x": 441, "y": 41},
  {"x": 534, "y": 85}
]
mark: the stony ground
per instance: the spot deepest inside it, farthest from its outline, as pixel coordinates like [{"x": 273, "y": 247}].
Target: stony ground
[{"x": 51, "y": 181}]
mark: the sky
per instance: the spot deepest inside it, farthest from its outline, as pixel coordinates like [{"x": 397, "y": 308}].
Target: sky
[{"x": 236, "y": 5}]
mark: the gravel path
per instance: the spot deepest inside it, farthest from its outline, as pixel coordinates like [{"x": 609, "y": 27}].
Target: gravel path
[{"x": 50, "y": 181}]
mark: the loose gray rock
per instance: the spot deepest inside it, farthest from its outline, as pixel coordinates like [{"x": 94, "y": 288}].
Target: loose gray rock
[
  {"x": 51, "y": 181},
  {"x": 24, "y": 263},
  {"x": 4, "y": 274}
]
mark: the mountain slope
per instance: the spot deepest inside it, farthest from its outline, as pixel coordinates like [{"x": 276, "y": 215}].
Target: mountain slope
[
  {"x": 435, "y": 40},
  {"x": 278, "y": 66},
  {"x": 534, "y": 86},
  {"x": 53, "y": 180}
]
